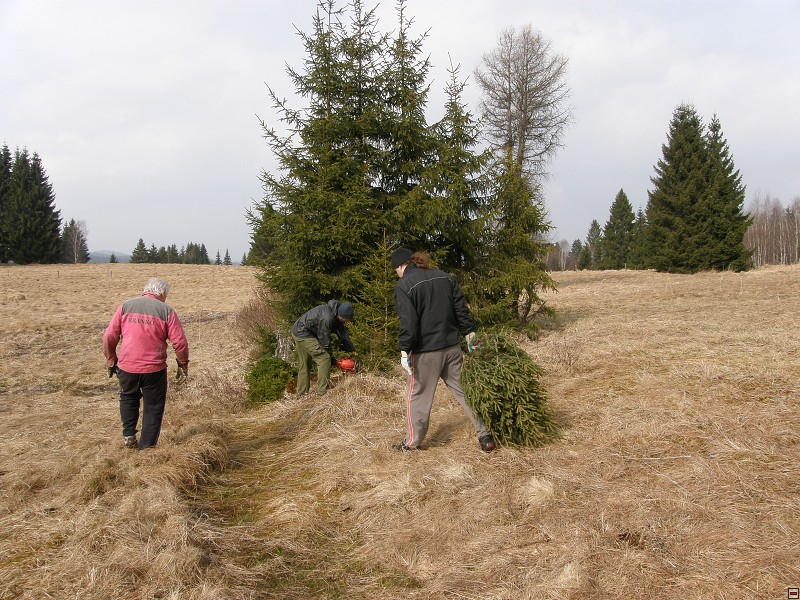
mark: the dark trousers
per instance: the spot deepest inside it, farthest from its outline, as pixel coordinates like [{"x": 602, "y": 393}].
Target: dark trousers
[
  {"x": 151, "y": 389},
  {"x": 308, "y": 351}
]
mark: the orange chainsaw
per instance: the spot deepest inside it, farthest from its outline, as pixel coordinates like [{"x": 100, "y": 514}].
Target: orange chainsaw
[{"x": 349, "y": 365}]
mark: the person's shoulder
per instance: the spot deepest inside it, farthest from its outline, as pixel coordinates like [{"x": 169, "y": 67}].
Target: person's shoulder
[
  {"x": 437, "y": 274},
  {"x": 326, "y": 312},
  {"x": 131, "y": 301}
]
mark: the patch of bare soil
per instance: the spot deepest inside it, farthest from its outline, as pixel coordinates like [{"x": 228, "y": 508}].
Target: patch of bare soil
[{"x": 675, "y": 476}]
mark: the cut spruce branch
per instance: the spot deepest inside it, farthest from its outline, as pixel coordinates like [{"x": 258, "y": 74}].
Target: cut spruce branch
[{"x": 501, "y": 384}]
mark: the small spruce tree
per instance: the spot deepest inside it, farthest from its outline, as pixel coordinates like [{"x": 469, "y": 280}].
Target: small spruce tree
[
  {"x": 139, "y": 253},
  {"x": 615, "y": 245},
  {"x": 637, "y": 258},
  {"x": 591, "y": 253}
]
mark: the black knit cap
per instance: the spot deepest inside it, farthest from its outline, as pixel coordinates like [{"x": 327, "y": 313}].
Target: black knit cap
[
  {"x": 346, "y": 311},
  {"x": 400, "y": 256}
]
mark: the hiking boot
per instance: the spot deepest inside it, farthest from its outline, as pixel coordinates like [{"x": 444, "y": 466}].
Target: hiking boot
[
  {"x": 487, "y": 443},
  {"x": 401, "y": 447},
  {"x": 130, "y": 441}
]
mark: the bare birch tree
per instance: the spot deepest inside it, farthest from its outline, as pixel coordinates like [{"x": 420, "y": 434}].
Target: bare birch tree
[
  {"x": 73, "y": 242},
  {"x": 774, "y": 234}
]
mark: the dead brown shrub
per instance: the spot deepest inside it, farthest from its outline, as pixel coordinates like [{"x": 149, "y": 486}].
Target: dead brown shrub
[{"x": 258, "y": 319}]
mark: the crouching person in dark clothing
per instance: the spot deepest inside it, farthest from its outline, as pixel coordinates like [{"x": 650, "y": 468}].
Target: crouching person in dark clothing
[
  {"x": 312, "y": 340},
  {"x": 143, "y": 325}
]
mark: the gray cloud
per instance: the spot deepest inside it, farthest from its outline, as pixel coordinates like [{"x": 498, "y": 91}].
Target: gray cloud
[{"x": 144, "y": 113}]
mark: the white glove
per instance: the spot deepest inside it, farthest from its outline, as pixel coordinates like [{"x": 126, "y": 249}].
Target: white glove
[
  {"x": 405, "y": 361},
  {"x": 471, "y": 342}
]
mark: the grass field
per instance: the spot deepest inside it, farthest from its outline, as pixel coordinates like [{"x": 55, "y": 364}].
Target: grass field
[{"x": 676, "y": 475}]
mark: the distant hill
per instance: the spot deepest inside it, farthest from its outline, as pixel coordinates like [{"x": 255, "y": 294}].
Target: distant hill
[{"x": 102, "y": 256}]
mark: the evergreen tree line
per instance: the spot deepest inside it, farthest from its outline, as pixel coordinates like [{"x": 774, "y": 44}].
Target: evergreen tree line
[
  {"x": 190, "y": 254},
  {"x": 362, "y": 172},
  {"x": 694, "y": 219},
  {"x": 30, "y": 225}
]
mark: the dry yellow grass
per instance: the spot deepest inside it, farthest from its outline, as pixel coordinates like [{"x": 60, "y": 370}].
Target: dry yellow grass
[
  {"x": 79, "y": 517},
  {"x": 676, "y": 475}
]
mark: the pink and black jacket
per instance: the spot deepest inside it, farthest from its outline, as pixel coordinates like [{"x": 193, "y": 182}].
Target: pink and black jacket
[{"x": 143, "y": 325}]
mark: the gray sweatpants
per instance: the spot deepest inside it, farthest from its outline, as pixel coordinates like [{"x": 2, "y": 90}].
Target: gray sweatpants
[{"x": 426, "y": 370}]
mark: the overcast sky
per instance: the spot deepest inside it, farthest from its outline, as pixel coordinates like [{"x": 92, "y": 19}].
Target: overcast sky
[{"x": 145, "y": 113}]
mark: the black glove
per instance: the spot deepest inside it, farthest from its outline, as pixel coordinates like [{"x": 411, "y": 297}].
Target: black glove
[{"x": 112, "y": 371}]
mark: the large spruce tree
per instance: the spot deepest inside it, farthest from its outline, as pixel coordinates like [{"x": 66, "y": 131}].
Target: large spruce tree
[
  {"x": 694, "y": 218},
  {"x": 615, "y": 246},
  {"x": 674, "y": 241},
  {"x": 6, "y": 162},
  {"x": 324, "y": 213},
  {"x": 360, "y": 172},
  {"x": 725, "y": 197},
  {"x": 360, "y": 165},
  {"x": 32, "y": 227}
]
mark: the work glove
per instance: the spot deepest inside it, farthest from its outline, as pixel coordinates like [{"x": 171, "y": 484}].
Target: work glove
[
  {"x": 405, "y": 361},
  {"x": 112, "y": 371},
  {"x": 182, "y": 374},
  {"x": 472, "y": 341}
]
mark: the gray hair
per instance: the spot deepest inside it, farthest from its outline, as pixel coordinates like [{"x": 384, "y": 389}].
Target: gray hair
[{"x": 156, "y": 286}]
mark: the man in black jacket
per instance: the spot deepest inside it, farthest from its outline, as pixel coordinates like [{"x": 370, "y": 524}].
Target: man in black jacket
[
  {"x": 312, "y": 339},
  {"x": 433, "y": 317}
]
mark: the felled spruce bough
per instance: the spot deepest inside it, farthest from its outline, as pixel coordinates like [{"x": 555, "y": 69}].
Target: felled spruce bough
[{"x": 501, "y": 384}]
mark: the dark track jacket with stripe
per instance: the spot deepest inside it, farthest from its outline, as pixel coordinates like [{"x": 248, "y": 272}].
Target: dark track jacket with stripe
[{"x": 432, "y": 309}]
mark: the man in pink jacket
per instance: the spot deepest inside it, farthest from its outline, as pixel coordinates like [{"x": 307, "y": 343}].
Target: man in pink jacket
[{"x": 143, "y": 325}]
